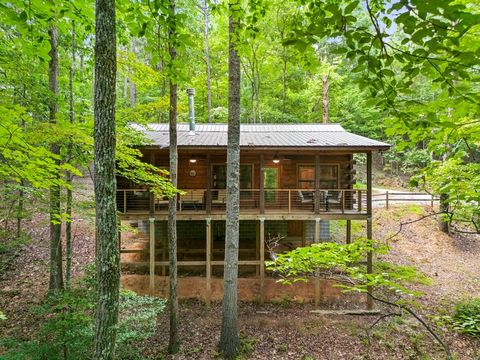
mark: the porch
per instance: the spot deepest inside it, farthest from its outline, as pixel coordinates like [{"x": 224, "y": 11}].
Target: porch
[{"x": 252, "y": 202}]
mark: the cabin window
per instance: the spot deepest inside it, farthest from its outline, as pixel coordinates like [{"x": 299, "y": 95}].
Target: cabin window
[
  {"x": 328, "y": 176},
  {"x": 219, "y": 173},
  {"x": 306, "y": 177}
]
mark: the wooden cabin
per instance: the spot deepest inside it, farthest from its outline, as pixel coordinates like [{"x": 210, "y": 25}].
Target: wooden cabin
[{"x": 294, "y": 180}]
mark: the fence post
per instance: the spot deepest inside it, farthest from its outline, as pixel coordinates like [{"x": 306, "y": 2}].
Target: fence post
[
  {"x": 289, "y": 201},
  {"x": 431, "y": 201},
  {"x": 386, "y": 198}
]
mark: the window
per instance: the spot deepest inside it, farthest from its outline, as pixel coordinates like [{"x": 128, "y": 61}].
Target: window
[
  {"x": 219, "y": 173},
  {"x": 306, "y": 177},
  {"x": 328, "y": 176}
]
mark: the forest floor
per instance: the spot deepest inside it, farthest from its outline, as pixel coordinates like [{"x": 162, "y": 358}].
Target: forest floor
[{"x": 286, "y": 330}]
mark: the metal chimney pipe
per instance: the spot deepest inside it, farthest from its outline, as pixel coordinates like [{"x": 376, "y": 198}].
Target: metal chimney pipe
[{"x": 191, "y": 111}]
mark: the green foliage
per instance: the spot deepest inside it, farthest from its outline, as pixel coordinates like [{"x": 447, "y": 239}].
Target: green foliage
[
  {"x": 9, "y": 246},
  {"x": 342, "y": 262},
  {"x": 67, "y": 327},
  {"x": 466, "y": 318}
]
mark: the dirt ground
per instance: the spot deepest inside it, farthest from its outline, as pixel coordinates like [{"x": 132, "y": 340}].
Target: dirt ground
[{"x": 286, "y": 330}]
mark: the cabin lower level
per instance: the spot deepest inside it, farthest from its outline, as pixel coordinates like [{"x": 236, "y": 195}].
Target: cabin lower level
[{"x": 200, "y": 256}]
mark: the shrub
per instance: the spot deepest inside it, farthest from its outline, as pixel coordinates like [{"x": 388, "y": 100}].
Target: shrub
[
  {"x": 67, "y": 331},
  {"x": 466, "y": 318}
]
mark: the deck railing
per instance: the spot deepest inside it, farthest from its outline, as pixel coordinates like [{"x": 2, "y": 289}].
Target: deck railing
[{"x": 281, "y": 201}]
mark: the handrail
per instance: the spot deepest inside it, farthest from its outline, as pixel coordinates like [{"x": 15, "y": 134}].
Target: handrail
[{"x": 275, "y": 200}]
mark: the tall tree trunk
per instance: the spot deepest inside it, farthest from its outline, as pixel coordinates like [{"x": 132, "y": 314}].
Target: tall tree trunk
[
  {"x": 68, "y": 225},
  {"x": 21, "y": 197},
  {"x": 444, "y": 210},
  {"x": 133, "y": 87},
  {"x": 56, "y": 273},
  {"x": 284, "y": 78},
  {"x": 108, "y": 267},
  {"x": 206, "y": 13},
  {"x": 325, "y": 99},
  {"x": 174, "y": 341},
  {"x": 229, "y": 340}
]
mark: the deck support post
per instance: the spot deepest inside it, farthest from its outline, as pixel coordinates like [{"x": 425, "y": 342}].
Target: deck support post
[
  {"x": 317, "y": 278},
  {"x": 369, "y": 223},
  {"x": 164, "y": 249},
  {"x": 208, "y": 205},
  {"x": 208, "y": 259},
  {"x": 152, "y": 256},
  {"x": 262, "y": 184},
  {"x": 262, "y": 260},
  {"x": 348, "y": 237},
  {"x": 257, "y": 246}
]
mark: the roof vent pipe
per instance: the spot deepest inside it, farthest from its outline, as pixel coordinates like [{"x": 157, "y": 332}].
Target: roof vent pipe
[{"x": 191, "y": 111}]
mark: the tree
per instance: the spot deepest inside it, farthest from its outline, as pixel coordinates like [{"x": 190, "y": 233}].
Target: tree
[
  {"x": 108, "y": 267},
  {"x": 229, "y": 340},
  {"x": 342, "y": 263},
  {"x": 69, "y": 176},
  {"x": 174, "y": 341},
  {"x": 56, "y": 258},
  {"x": 206, "y": 15}
]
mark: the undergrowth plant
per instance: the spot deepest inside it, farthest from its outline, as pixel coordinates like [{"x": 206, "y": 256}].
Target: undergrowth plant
[
  {"x": 466, "y": 317},
  {"x": 67, "y": 330},
  {"x": 388, "y": 284}
]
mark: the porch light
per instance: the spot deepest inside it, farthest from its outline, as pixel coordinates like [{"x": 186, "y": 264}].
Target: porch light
[
  {"x": 276, "y": 159},
  {"x": 193, "y": 160}
]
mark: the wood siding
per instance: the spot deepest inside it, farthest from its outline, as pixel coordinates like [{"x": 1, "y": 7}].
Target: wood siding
[{"x": 287, "y": 168}]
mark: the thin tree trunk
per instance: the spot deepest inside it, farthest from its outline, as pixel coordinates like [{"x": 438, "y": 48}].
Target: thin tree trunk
[
  {"x": 68, "y": 225},
  {"x": 444, "y": 210},
  {"x": 125, "y": 90},
  {"x": 325, "y": 99},
  {"x": 229, "y": 340},
  {"x": 206, "y": 13},
  {"x": 21, "y": 197},
  {"x": 108, "y": 267},
  {"x": 284, "y": 79},
  {"x": 56, "y": 273},
  {"x": 174, "y": 341},
  {"x": 133, "y": 87}
]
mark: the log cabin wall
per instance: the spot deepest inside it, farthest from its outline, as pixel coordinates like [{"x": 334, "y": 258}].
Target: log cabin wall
[{"x": 287, "y": 167}]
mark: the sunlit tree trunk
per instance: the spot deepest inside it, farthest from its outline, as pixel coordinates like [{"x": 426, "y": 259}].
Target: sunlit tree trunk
[
  {"x": 133, "y": 87},
  {"x": 68, "y": 225},
  {"x": 174, "y": 341},
  {"x": 325, "y": 98},
  {"x": 56, "y": 273},
  {"x": 108, "y": 267},
  {"x": 206, "y": 13},
  {"x": 229, "y": 340}
]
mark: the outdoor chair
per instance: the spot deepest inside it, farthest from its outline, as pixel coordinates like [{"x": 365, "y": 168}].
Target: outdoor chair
[
  {"x": 306, "y": 197},
  {"x": 334, "y": 198}
]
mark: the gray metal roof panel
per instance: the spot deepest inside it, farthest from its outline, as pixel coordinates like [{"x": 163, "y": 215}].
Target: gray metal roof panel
[{"x": 262, "y": 135}]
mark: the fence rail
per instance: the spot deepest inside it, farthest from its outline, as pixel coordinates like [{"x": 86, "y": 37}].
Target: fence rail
[
  {"x": 389, "y": 197},
  {"x": 282, "y": 201}
]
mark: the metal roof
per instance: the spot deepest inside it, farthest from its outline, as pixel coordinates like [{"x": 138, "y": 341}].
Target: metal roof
[{"x": 329, "y": 136}]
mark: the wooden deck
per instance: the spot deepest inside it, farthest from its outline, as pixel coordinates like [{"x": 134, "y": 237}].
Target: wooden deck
[{"x": 277, "y": 204}]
